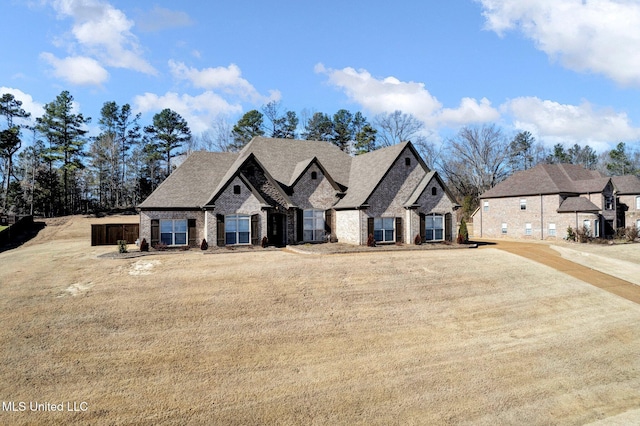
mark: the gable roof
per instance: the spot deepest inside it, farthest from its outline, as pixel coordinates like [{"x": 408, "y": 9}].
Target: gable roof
[
  {"x": 627, "y": 185},
  {"x": 179, "y": 189},
  {"x": 366, "y": 173},
  {"x": 549, "y": 179},
  {"x": 282, "y": 157},
  {"x": 424, "y": 183},
  {"x": 204, "y": 175}
]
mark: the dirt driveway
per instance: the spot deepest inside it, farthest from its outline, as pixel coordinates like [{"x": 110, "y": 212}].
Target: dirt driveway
[{"x": 543, "y": 253}]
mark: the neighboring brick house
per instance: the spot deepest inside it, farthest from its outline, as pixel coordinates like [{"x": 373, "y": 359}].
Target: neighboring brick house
[
  {"x": 543, "y": 202},
  {"x": 627, "y": 200},
  {"x": 293, "y": 191}
]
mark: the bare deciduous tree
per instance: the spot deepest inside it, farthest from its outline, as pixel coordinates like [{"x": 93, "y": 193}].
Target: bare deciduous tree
[{"x": 475, "y": 160}]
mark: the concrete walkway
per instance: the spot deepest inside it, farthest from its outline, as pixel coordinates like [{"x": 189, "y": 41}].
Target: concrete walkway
[{"x": 544, "y": 254}]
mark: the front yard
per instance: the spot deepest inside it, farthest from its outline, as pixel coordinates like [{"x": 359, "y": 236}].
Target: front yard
[{"x": 405, "y": 337}]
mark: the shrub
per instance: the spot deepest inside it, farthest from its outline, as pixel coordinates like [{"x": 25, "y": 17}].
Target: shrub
[
  {"x": 631, "y": 233},
  {"x": 417, "y": 240},
  {"x": 160, "y": 246},
  {"x": 264, "y": 242},
  {"x": 371, "y": 242},
  {"x": 122, "y": 246},
  {"x": 583, "y": 234},
  {"x": 204, "y": 245},
  {"x": 144, "y": 245},
  {"x": 571, "y": 235}
]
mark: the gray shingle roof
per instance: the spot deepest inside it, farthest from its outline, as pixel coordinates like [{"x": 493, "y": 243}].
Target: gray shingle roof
[
  {"x": 577, "y": 204},
  {"x": 367, "y": 171},
  {"x": 627, "y": 185},
  {"x": 549, "y": 179},
  {"x": 190, "y": 185},
  {"x": 204, "y": 174}
]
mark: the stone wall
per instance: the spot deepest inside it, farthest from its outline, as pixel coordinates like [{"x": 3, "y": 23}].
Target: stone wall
[{"x": 348, "y": 226}]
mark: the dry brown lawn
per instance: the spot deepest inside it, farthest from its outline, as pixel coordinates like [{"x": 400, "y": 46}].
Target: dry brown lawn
[{"x": 272, "y": 337}]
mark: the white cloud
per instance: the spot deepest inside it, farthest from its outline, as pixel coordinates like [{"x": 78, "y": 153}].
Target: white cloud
[
  {"x": 160, "y": 18},
  {"x": 227, "y": 79},
  {"x": 103, "y": 32},
  {"x": 598, "y": 35},
  {"x": 470, "y": 111},
  {"x": 199, "y": 111},
  {"x": 79, "y": 70},
  {"x": 561, "y": 123},
  {"x": 28, "y": 104},
  {"x": 380, "y": 95}
]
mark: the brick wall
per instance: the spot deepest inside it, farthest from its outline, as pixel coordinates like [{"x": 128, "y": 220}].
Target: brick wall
[
  {"x": 316, "y": 193},
  {"x": 147, "y": 215},
  {"x": 539, "y": 213}
]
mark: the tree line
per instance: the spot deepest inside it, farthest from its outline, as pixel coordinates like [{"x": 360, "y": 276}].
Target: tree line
[{"x": 64, "y": 171}]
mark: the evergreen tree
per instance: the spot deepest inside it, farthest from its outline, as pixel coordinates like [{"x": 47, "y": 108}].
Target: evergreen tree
[
  {"x": 66, "y": 135},
  {"x": 318, "y": 128},
  {"x": 620, "y": 163},
  {"x": 10, "y": 141},
  {"x": 248, "y": 127},
  {"x": 168, "y": 132}
]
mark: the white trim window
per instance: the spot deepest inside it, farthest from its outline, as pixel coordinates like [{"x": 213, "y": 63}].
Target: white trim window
[
  {"x": 434, "y": 227},
  {"x": 552, "y": 229},
  {"x": 586, "y": 225},
  {"x": 504, "y": 227},
  {"x": 237, "y": 229},
  {"x": 637, "y": 203},
  {"x": 527, "y": 229},
  {"x": 173, "y": 232},
  {"x": 313, "y": 225},
  {"x": 523, "y": 204},
  {"x": 638, "y": 224},
  {"x": 384, "y": 229},
  {"x": 596, "y": 228},
  {"x": 485, "y": 206}
]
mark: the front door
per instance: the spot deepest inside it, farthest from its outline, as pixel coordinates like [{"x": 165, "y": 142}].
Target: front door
[{"x": 276, "y": 228}]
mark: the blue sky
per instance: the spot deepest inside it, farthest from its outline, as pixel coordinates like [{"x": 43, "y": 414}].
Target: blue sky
[{"x": 568, "y": 71}]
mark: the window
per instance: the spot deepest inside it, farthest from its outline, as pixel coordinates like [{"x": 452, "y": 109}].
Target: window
[
  {"x": 407, "y": 161},
  {"x": 383, "y": 228},
  {"x": 486, "y": 206},
  {"x": 236, "y": 228},
  {"x": 608, "y": 202},
  {"x": 434, "y": 227},
  {"x": 638, "y": 224},
  {"x": 586, "y": 224},
  {"x": 523, "y": 204},
  {"x": 236, "y": 189},
  {"x": 313, "y": 229},
  {"x": 504, "y": 228},
  {"x": 552, "y": 229},
  {"x": 637, "y": 203},
  {"x": 434, "y": 191},
  {"x": 173, "y": 232},
  {"x": 527, "y": 229},
  {"x": 596, "y": 228},
  {"x": 314, "y": 175}
]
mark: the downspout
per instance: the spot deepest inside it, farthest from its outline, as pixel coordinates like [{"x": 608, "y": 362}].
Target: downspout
[{"x": 541, "y": 218}]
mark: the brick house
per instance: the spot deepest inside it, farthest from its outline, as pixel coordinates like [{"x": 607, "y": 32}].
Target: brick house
[
  {"x": 293, "y": 191},
  {"x": 544, "y": 201}
]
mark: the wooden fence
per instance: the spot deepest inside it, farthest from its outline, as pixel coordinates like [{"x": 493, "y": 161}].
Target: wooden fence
[
  {"x": 109, "y": 234},
  {"x": 17, "y": 225}
]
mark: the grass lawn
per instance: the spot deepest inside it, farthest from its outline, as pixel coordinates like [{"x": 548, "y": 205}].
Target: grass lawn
[{"x": 425, "y": 337}]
